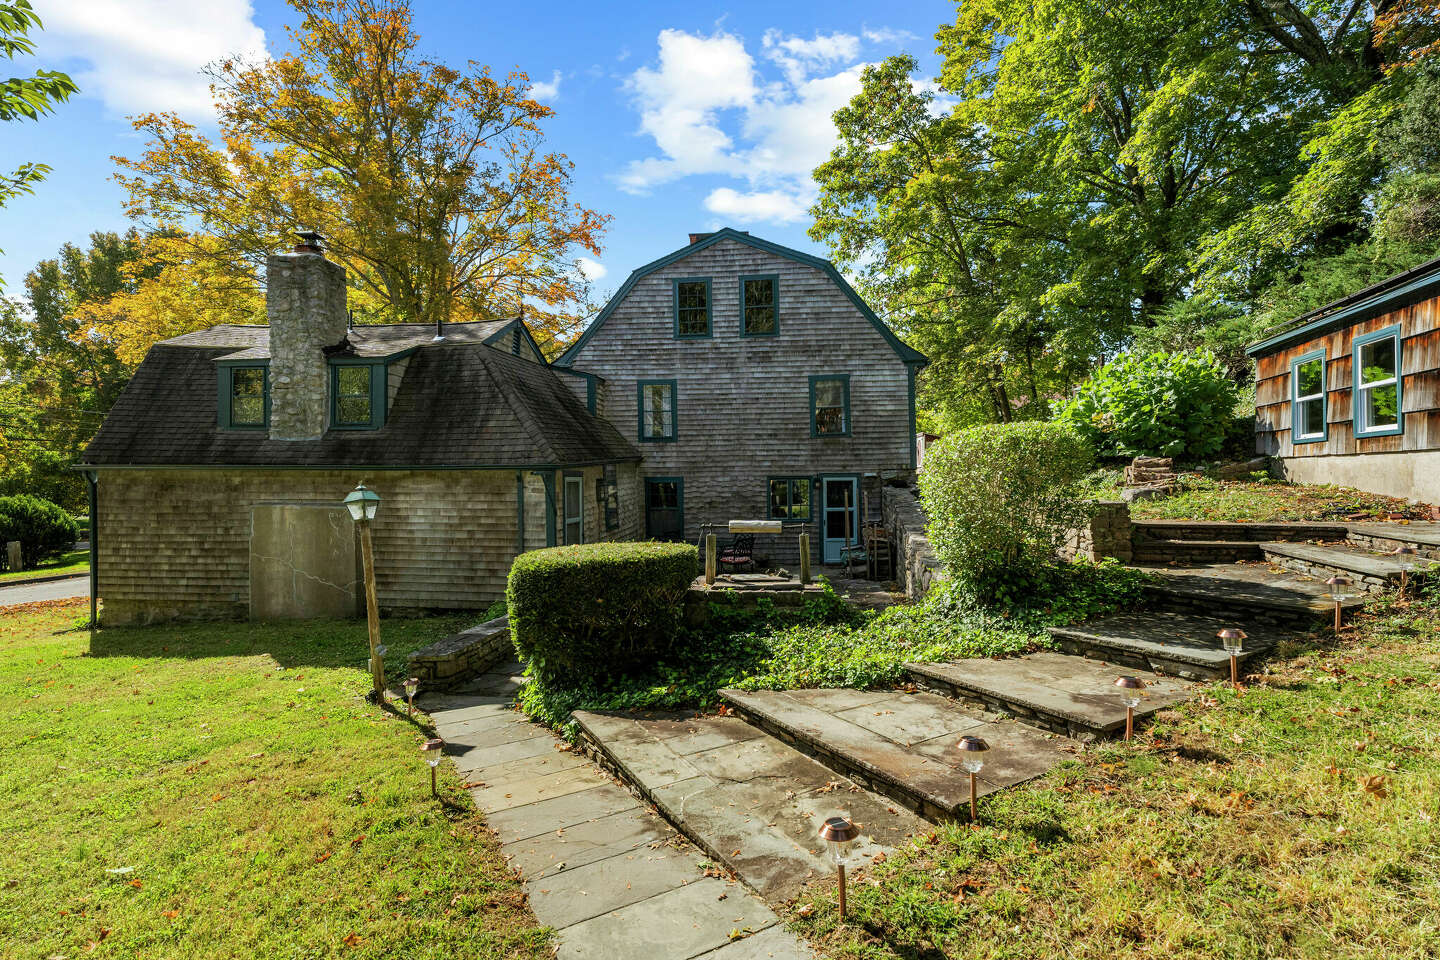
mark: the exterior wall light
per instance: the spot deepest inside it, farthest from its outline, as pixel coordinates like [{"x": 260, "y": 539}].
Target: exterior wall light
[
  {"x": 412, "y": 684},
  {"x": 1339, "y": 592},
  {"x": 363, "y": 503},
  {"x": 1233, "y": 640},
  {"x": 972, "y": 759},
  {"x": 1130, "y": 688},
  {"x": 838, "y": 833},
  {"x": 1405, "y": 557},
  {"x": 432, "y": 750}
]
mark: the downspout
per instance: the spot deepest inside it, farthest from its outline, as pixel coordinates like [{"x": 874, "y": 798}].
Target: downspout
[
  {"x": 519, "y": 512},
  {"x": 93, "y": 483},
  {"x": 549, "y": 477}
]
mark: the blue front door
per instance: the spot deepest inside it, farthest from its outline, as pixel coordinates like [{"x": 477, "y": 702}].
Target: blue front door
[{"x": 840, "y": 514}]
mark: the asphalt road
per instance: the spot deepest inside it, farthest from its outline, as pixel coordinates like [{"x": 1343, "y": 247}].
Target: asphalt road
[{"x": 54, "y": 590}]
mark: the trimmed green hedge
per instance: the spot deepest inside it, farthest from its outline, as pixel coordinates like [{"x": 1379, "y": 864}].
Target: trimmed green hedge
[
  {"x": 598, "y": 608},
  {"x": 44, "y": 529}
]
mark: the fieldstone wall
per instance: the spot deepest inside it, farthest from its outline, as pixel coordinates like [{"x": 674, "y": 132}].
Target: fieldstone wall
[
  {"x": 1108, "y": 534},
  {"x": 448, "y": 663},
  {"x": 916, "y": 566},
  {"x": 305, "y": 306}
]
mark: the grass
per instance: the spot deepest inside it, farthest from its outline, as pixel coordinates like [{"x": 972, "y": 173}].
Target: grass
[
  {"x": 71, "y": 562},
  {"x": 224, "y": 790},
  {"x": 1296, "y": 818}
]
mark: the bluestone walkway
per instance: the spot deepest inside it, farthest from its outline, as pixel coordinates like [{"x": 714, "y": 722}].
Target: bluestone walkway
[{"x": 599, "y": 866}]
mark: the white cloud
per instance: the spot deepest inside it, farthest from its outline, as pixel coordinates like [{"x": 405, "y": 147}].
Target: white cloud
[
  {"x": 772, "y": 206},
  {"x": 799, "y": 57},
  {"x": 887, "y": 36},
  {"x": 146, "y": 55},
  {"x": 546, "y": 90},
  {"x": 591, "y": 269}
]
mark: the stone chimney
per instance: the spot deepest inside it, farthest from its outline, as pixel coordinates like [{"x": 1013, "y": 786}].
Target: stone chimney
[{"x": 305, "y": 306}]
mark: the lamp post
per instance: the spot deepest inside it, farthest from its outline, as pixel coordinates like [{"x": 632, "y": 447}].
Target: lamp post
[
  {"x": 838, "y": 833},
  {"x": 363, "y": 503},
  {"x": 1339, "y": 594},
  {"x": 432, "y": 750},
  {"x": 1233, "y": 639},
  {"x": 972, "y": 759},
  {"x": 1404, "y": 556},
  {"x": 1130, "y": 688},
  {"x": 411, "y": 685}
]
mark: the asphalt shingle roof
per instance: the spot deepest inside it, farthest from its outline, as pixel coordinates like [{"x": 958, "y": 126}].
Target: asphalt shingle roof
[{"x": 459, "y": 404}]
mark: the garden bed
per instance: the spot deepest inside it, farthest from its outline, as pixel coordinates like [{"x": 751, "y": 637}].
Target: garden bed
[{"x": 1261, "y": 500}]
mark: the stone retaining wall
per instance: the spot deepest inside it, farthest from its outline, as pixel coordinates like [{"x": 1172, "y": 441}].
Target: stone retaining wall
[
  {"x": 916, "y": 566},
  {"x": 1108, "y": 534},
  {"x": 450, "y": 662}
]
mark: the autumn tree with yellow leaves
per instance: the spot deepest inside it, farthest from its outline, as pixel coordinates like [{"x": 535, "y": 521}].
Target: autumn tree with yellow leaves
[{"x": 431, "y": 184}]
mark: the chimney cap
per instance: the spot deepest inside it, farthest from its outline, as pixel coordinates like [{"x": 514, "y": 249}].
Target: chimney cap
[{"x": 311, "y": 241}]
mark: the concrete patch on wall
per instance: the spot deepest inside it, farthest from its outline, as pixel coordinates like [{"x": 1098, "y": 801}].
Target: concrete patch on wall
[
  {"x": 1412, "y": 475},
  {"x": 303, "y": 562}
]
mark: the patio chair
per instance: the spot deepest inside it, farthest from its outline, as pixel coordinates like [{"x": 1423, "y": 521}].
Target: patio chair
[{"x": 740, "y": 552}]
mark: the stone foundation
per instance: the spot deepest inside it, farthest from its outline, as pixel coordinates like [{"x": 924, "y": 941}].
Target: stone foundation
[
  {"x": 464, "y": 656},
  {"x": 1108, "y": 534},
  {"x": 916, "y": 566}
]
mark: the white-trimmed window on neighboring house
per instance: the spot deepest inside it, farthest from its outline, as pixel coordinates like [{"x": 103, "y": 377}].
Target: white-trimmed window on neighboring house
[
  {"x": 1378, "y": 387},
  {"x": 1308, "y": 422}
]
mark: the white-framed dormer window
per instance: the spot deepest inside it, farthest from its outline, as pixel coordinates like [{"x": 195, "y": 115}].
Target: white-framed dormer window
[
  {"x": 1378, "y": 387},
  {"x": 1308, "y": 423}
]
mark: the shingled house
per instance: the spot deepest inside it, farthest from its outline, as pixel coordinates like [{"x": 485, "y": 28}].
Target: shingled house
[
  {"x": 1349, "y": 393},
  {"x": 218, "y": 474}
]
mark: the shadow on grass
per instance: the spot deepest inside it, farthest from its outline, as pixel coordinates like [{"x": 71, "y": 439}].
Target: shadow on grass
[{"x": 906, "y": 950}]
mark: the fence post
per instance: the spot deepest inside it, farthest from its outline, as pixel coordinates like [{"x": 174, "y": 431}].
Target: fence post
[
  {"x": 14, "y": 556},
  {"x": 804, "y": 558},
  {"x": 710, "y": 560}
]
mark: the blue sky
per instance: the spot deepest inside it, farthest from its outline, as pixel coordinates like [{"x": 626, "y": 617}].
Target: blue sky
[{"x": 679, "y": 117}]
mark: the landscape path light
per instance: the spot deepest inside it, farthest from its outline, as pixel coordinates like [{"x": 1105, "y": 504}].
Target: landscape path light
[
  {"x": 1130, "y": 688},
  {"x": 838, "y": 833},
  {"x": 1233, "y": 640},
  {"x": 432, "y": 750},
  {"x": 411, "y": 685},
  {"x": 972, "y": 759},
  {"x": 1405, "y": 556},
  {"x": 363, "y": 503},
  {"x": 1339, "y": 592}
]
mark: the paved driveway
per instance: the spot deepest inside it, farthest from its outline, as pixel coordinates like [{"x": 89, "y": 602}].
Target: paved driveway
[{"x": 54, "y": 590}]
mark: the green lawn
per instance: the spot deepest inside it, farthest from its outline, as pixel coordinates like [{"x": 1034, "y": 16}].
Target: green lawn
[
  {"x": 72, "y": 562},
  {"x": 224, "y": 791},
  {"x": 1297, "y": 819}
]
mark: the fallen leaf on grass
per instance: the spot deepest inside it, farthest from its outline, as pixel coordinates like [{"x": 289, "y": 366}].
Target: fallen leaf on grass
[
  {"x": 352, "y": 940},
  {"x": 1373, "y": 785}
]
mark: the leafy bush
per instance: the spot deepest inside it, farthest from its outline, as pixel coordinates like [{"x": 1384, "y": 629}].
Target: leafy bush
[
  {"x": 1164, "y": 404},
  {"x": 598, "y": 609},
  {"x": 44, "y": 529},
  {"x": 1000, "y": 498}
]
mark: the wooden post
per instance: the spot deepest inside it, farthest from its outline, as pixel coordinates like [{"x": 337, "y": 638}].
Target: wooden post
[
  {"x": 372, "y": 613},
  {"x": 842, "y": 891},
  {"x": 804, "y": 558},
  {"x": 15, "y": 557},
  {"x": 711, "y": 562}
]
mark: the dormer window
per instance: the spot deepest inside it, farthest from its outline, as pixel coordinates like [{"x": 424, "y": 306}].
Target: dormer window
[
  {"x": 357, "y": 396},
  {"x": 244, "y": 396}
]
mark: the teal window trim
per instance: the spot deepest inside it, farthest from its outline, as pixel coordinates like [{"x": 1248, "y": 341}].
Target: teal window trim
[
  {"x": 519, "y": 512},
  {"x": 1295, "y": 399},
  {"x": 709, "y": 308},
  {"x": 224, "y": 378},
  {"x": 774, "y": 279},
  {"x": 640, "y": 411},
  {"x": 566, "y": 478},
  {"x": 1357, "y": 405},
  {"x": 809, "y": 483},
  {"x": 844, "y": 379},
  {"x": 379, "y": 377}
]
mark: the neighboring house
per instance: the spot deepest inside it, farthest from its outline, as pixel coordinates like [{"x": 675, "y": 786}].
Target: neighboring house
[
  {"x": 1350, "y": 393},
  {"x": 218, "y": 474},
  {"x": 758, "y": 385}
]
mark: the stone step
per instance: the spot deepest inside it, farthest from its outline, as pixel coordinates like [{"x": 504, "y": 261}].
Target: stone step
[
  {"x": 1246, "y": 594},
  {"x": 1231, "y": 530},
  {"x": 1065, "y": 694},
  {"x": 1422, "y": 535},
  {"x": 1372, "y": 572},
  {"x": 1173, "y": 643},
  {"x": 752, "y": 803},
  {"x": 902, "y": 744},
  {"x": 1195, "y": 551}
]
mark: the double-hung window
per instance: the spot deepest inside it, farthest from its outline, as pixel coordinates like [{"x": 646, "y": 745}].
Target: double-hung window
[
  {"x": 656, "y": 402},
  {"x": 760, "y": 306},
  {"x": 692, "y": 308},
  {"x": 1307, "y": 400},
  {"x": 790, "y": 498},
  {"x": 830, "y": 406},
  {"x": 1377, "y": 383}
]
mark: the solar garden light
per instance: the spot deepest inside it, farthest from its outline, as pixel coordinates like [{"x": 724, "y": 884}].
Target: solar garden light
[
  {"x": 432, "y": 750},
  {"x": 1232, "y": 639},
  {"x": 972, "y": 758},
  {"x": 1339, "y": 594},
  {"x": 411, "y": 685},
  {"x": 1404, "y": 555},
  {"x": 363, "y": 503},
  {"x": 838, "y": 833},
  {"x": 1130, "y": 688}
]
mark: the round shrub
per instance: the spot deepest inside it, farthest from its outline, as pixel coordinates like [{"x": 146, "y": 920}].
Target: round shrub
[
  {"x": 1000, "y": 499},
  {"x": 43, "y": 528},
  {"x": 1164, "y": 404},
  {"x": 598, "y": 608}
]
